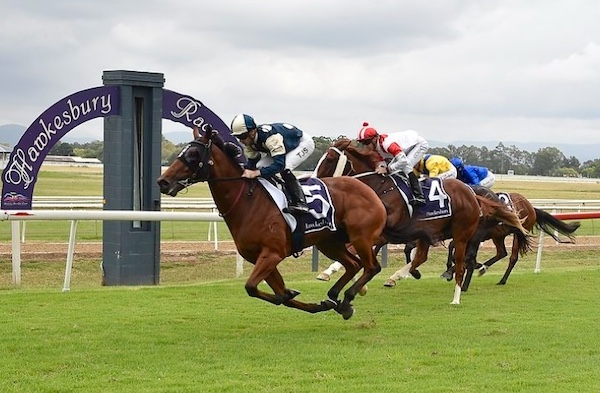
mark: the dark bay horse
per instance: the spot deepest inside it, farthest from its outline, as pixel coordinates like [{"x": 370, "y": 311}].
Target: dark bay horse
[
  {"x": 532, "y": 217},
  {"x": 261, "y": 233},
  {"x": 346, "y": 157}
]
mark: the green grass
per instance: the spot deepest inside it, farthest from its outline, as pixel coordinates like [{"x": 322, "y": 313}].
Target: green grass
[{"x": 536, "y": 334}]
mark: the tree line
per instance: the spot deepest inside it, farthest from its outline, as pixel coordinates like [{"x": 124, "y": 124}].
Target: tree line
[{"x": 547, "y": 161}]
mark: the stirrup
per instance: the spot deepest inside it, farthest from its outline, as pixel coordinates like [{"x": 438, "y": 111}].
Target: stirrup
[
  {"x": 416, "y": 202},
  {"x": 296, "y": 209}
]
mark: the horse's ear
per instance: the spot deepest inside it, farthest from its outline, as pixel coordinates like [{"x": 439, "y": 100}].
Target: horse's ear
[{"x": 196, "y": 132}]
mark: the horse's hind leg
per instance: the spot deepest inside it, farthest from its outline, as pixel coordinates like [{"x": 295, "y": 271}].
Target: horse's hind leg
[
  {"x": 500, "y": 253},
  {"x": 449, "y": 273},
  {"x": 460, "y": 251},
  {"x": 419, "y": 258},
  {"x": 350, "y": 262},
  {"x": 514, "y": 257}
]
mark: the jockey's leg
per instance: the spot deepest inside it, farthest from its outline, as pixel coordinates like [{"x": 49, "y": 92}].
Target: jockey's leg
[
  {"x": 415, "y": 185},
  {"x": 298, "y": 200}
]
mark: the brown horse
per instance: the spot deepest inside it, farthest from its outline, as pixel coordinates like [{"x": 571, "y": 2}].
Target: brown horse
[
  {"x": 261, "y": 233},
  {"x": 532, "y": 217},
  {"x": 346, "y": 157}
]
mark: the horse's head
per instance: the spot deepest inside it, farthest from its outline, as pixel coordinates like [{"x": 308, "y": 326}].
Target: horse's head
[
  {"x": 346, "y": 157},
  {"x": 191, "y": 166},
  {"x": 195, "y": 162}
]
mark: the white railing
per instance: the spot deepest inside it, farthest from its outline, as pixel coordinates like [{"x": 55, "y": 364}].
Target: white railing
[
  {"x": 16, "y": 216},
  {"x": 170, "y": 203},
  {"x": 97, "y": 202}
]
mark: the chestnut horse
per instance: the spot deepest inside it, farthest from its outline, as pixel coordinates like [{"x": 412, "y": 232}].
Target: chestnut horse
[
  {"x": 532, "y": 218},
  {"x": 346, "y": 157},
  {"x": 260, "y": 231}
]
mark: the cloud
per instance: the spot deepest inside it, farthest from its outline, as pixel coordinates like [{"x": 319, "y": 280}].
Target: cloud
[{"x": 466, "y": 70}]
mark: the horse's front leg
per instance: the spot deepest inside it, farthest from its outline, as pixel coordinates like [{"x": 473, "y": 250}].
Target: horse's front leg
[
  {"x": 264, "y": 267},
  {"x": 286, "y": 296},
  {"x": 371, "y": 268}
]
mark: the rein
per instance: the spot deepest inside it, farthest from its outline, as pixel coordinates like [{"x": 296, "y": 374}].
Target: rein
[{"x": 237, "y": 199}]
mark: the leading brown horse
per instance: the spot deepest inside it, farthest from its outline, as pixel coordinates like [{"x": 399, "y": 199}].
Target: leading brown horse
[
  {"x": 261, "y": 233},
  {"x": 468, "y": 211}
]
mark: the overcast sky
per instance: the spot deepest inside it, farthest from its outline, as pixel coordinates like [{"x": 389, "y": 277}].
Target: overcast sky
[{"x": 523, "y": 70}]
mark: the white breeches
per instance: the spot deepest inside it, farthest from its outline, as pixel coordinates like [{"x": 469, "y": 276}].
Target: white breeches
[{"x": 294, "y": 157}]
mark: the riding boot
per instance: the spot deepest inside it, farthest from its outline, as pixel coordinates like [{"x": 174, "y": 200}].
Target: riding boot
[
  {"x": 297, "y": 199},
  {"x": 418, "y": 198}
]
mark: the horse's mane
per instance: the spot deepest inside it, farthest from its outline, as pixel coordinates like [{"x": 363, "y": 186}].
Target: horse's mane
[
  {"x": 358, "y": 150},
  {"x": 231, "y": 150}
]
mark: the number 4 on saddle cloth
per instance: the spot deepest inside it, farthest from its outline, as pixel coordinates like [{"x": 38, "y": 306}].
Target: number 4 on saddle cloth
[
  {"x": 320, "y": 214},
  {"x": 438, "y": 201}
]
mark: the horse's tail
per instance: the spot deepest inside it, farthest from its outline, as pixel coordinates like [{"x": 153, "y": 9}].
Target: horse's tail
[
  {"x": 550, "y": 224},
  {"x": 498, "y": 211}
]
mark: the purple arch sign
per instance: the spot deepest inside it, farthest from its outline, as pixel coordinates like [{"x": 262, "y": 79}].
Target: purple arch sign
[{"x": 20, "y": 174}]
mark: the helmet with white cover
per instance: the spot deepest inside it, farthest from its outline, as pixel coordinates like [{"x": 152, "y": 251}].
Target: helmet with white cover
[{"x": 241, "y": 124}]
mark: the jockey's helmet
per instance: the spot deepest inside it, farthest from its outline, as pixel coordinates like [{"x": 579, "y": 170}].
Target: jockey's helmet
[
  {"x": 241, "y": 124},
  {"x": 366, "y": 133},
  {"x": 421, "y": 163},
  {"x": 457, "y": 162}
]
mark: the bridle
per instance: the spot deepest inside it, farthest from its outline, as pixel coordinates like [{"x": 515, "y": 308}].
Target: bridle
[
  {"x": 340, "y": 166},
  {"x": 200, "y": 167}
]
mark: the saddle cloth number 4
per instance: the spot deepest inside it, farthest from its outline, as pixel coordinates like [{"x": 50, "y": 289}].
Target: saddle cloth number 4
[{"x": 437, "y": 193}]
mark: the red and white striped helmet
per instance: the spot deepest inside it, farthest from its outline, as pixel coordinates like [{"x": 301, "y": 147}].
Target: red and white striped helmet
[{"x": 366, "y": 132}]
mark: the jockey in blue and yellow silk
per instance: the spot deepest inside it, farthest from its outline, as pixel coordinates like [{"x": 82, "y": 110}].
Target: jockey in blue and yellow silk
[{"x": 433, "y": 165}]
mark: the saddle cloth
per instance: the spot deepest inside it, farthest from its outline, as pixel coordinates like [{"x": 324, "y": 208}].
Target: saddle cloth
[
  {"x": 321, "y": 210},
  {"x": 438, "y": 201}
]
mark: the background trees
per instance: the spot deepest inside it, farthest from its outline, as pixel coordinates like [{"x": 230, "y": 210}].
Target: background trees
[{"x": 547, "y": 161}]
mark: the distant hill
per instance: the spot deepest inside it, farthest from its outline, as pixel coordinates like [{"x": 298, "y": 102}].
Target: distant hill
[{"x": 11, "y": 133}]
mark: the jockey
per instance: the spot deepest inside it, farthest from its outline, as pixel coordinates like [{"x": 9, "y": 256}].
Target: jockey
[
  {"x": 274, "y": 148},
  {"x": 400, "y": 152},
  {"x": 432, "y": 165},
  {"x": 473, "y": 175}
]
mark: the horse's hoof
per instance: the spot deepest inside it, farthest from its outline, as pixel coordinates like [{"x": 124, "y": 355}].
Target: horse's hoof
[
  {"x": 389, "y": 283},
  {"x": 482, "y": 270},
  {"x": 455, "y": 302},
  {"x": 328, "y": 304},
  {"x": 348, "y": 315},
  {"x": 323, "y": 277},
  {"x": 447, "y": 276},
  {"x": 292, "y": 293},
  {"x": 416, "y": 274},
  {"x": 363, "y": 290}
]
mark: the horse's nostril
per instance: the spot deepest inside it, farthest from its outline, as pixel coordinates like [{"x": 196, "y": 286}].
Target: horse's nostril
[{"x": 163, "y": 184}]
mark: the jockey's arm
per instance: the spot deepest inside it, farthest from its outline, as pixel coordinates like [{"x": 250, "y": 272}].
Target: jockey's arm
[
  {"x": 399, "y": 162},
  {"x": 253, "y": 157},
  {"x": 276, "y": 148}
]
